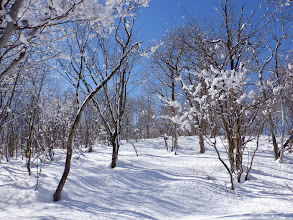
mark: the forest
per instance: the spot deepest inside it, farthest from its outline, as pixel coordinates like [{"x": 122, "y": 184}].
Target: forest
[{"x": 74, "y": 74}]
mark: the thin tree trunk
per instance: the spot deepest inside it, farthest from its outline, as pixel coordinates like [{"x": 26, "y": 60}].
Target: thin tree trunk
[
  {"x": 134, "y": 149},
  {"x": 201, "y": 139},
  {"x": 201, "y": 143},
  {"x": 28, "y": 164},
  {"x": 282, "y": 132},
  {"x": 165, "y": 140},
  {"x": 225, "y": 165},
  {"x": 231, "y": 158},
  {"x": 275, "y": 145},
  {"x": 175, "y": 138},
  {"x": 252, "y": 158},
  {"x": 61, "y": 184},
  {"x": 239, "y": 152}
]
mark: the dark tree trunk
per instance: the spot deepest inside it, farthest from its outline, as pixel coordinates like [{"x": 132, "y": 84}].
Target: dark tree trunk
[
  {"x": 201, "y": 138},
  {"x": 114, "y": 155},
  {"x": 51, "y": 152},
  {"x": 275, "y": 145},
  {"x": 57, "y": 194},
  {"x": 289, "y": 142},
  {"x": 165, "y": 140},
  {"x": 28, "y": 164},
  {"x": 276, "y": 153}
]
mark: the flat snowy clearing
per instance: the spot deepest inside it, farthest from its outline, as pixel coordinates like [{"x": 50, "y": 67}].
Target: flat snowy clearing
[{"x": 154, "y": 185}]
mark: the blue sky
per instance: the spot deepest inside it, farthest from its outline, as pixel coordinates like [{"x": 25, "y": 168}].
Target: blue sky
[{"x": 152, "y": 21}]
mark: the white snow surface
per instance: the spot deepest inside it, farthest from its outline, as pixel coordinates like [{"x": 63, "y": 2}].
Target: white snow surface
[{"x": 155, "y": 185}]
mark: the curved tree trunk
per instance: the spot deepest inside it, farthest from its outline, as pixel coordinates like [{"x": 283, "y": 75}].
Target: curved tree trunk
[{"x": 57, "y": 194}]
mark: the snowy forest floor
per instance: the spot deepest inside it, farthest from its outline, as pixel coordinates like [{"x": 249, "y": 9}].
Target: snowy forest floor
[{"x": 155, "y": 185}]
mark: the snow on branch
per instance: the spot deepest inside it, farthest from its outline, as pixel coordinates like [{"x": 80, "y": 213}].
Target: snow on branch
[{"x": 152, "y": 50}]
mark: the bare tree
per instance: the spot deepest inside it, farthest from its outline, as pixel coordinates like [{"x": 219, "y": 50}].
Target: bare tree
[
  {"x": 276, "y": 21},
  {"x": 166, "y": 67},
  {"x": 216, "y": 80},
  {"x": 114, "y": 100},
  {"x": 85, "y": 75}
]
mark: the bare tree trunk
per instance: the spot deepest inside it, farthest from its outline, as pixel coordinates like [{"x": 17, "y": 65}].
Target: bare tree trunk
[
  {"x": 231, "y": 158},
  {"x": 282, "y": 131},
  {"x": 175, "y": 138},
  {"x": 225, "y": 165},
  {"x": 201, "y": 138},
  {"x": 275, "y": 145},
  {"x": 114, "y": 153},
  {"x": 61, "y": 184},
  {"x": 134, "y": 149},
  {"x": 51, "y": 152},
  {"x": 148, "y": 130},
  {"x": 173, "y": 109},
  {"x": 252, "y": 158},
  {"x": 4, "y": 115},
  {"x": 11, "y": 27},
  {"x": 28, "y": 164},
  {"x": 165, "y": 140},
  {"x": 201, "y": 143},
  {"x": 239, "y": 151},
  {"x": 290, "y": 146}
]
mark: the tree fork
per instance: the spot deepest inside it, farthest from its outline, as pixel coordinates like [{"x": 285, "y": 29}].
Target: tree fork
[{"x": 61, "y": 184}]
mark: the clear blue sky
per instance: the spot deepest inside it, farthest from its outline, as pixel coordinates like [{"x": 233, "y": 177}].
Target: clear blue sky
[{"x": 152, "y": 21}]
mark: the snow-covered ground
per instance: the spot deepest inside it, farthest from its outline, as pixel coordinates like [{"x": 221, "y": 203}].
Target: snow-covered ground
[{"x": 155, "y": 185}]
